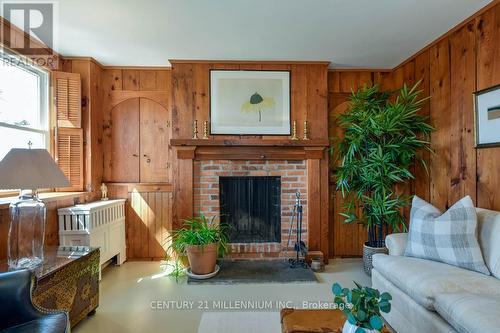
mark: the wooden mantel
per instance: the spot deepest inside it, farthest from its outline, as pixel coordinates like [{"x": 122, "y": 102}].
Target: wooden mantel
[
  {"x": 196, "y": 149},
  {"x": 249, "y": 142}
]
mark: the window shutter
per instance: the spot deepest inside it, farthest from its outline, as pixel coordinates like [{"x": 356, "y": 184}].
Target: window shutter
[
  {"x": 69, "y": 156},
  {"x": 67, "y": 99},
  {"x": 66, "y": 89}
]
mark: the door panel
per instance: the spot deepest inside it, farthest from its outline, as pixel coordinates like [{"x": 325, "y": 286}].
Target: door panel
[
  {"x": 148, "y": 221},
  {"x": 154, "y": 140},
  {"x": 124, "y": 163}
]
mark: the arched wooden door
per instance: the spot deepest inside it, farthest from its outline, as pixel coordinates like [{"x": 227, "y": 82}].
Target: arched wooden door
[{"x": 138, "y": 139}]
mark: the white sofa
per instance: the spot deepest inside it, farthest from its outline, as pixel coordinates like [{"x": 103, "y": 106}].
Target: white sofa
[{"x": 429, "y": 296}]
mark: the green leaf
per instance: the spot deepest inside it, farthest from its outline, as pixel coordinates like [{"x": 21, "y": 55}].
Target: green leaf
[
  {"x": 386, "y": 296},
  {"x": 385, "y": 307},
  {"x": 348, "y": 296},
  {"x": 337, "y": 289},
  {"x": 351, "y": 319},
  {"x": 376, "y": 322},
  {"x": 361, "y": 315},
  {"x": 356, "y": 295}
]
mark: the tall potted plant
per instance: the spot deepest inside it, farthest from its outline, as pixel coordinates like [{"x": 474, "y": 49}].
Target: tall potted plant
[
  {"x": 202, "y": 240},
  {"x": 382, "y": 133}
]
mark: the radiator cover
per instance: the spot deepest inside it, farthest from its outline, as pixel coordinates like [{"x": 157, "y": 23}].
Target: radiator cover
[{"x": 96, "y": 224}]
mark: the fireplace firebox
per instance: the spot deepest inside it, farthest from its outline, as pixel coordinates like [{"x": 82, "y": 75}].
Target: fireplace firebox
[{"x": 251, "y": 208}]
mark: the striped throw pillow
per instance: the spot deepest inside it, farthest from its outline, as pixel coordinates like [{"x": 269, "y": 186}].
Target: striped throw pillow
[{"x": 450, "y": 238}]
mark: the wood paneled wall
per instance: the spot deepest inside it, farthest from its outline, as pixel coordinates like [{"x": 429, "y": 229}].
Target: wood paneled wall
[
  {"x": 92, "y": 118},
  {"x": 190, "y": 101},
  {"x": 136, "y": 122},
  {"x": 465, "y": 60},
  {"x": 190, "y": 94},
  {"x": 127, "y": 91}
]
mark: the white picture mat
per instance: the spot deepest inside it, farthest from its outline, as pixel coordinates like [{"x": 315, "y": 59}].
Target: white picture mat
[
  {"x": 488, "y": 130},
  {"x": 230, "y": 89}
]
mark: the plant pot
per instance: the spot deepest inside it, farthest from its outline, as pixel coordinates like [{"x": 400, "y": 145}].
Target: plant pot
[
  {"x": 368, "y": 253},
  {"x": 202, "y": 259},
  {"x": 350, "y": 328}
]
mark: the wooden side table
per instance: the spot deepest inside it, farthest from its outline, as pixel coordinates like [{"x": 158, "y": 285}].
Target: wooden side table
[
  {"x": 67, "y": 280},
  {"x": 313, "y": 321}
]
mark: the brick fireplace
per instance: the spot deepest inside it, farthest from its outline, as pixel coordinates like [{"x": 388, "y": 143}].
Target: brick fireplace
[
  {"x": 299, "y": 165},
  {"x": 292, "y": 175}
]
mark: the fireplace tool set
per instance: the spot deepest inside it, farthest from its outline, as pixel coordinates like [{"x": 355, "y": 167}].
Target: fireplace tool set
[{"x": 300, "y": 247}]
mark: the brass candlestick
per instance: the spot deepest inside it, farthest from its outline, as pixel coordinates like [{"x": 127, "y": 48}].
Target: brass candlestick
[
  {"x": 306, "y": 131},
  {"x": 195, "y": 129},
  {"x": 294, "y": 131},
  {"x": 205, "y": 130}
]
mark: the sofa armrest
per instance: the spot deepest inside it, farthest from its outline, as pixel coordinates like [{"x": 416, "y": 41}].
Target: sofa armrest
[
  {"x": 15, "y": 299},
  {"x": 396, "y": 243}
]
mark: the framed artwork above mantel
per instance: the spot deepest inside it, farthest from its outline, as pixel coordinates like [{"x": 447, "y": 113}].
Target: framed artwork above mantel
[{"x": 244, "y": 102}]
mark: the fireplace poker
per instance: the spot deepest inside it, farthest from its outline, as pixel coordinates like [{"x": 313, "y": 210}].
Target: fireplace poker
[{"x": 300, "y": 247}]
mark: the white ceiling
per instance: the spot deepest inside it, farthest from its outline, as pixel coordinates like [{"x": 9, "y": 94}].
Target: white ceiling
[{"x": 349, "y": 33}]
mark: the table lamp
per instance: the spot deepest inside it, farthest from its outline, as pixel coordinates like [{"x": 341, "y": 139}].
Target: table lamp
[{"x": 28, "y": 170}]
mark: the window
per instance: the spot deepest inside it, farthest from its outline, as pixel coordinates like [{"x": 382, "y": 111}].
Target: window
[{"x": 24, "y": 111}]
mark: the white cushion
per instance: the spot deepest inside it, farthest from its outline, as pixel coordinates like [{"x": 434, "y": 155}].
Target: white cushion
[
  {"x": 489, "y": 238},
  {"x": 396, "y": 243},
  {"x": 406, "y": 315},
  {"x": 469, "y": 313},
  {"x": 450, "y": 237},
  {"x": 423, "y": 279}
]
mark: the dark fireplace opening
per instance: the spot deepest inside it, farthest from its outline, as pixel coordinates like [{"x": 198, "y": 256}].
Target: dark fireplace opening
[{"x": 251, "y": 208}]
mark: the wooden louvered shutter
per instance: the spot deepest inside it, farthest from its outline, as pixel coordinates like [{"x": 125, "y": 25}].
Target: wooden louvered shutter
[
  {"x": 69, "y": 155},
  {"x": 66, "y": 90},
  {"x": 67, "y": 99}
]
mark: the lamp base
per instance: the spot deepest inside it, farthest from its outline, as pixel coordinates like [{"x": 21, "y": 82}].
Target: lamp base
[
  {"x": 25, "y": 263},
  {"x": 26, "y": 231}
]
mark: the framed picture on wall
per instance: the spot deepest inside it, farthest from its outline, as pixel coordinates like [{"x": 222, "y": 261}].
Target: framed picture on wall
[
  {"x": 249, "y": 102},
  {"x": 487, "y": 116}
]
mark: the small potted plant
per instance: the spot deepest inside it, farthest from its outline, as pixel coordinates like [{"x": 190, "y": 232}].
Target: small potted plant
[
  {"x": 362, "y": 307},
  {"x": 202, "y": 240}
]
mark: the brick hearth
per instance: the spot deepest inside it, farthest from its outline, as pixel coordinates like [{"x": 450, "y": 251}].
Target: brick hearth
[{"x": 293, "y": 175}]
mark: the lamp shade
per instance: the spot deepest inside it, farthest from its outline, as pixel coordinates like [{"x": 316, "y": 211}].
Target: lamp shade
[{"x": 30, "y": 169}]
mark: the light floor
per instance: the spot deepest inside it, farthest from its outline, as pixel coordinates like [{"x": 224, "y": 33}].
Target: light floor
[{"x": 135, "y": 297}]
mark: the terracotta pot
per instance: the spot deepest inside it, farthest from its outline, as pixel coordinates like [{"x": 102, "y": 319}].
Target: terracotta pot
[{"x": 202, "y": 259}]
